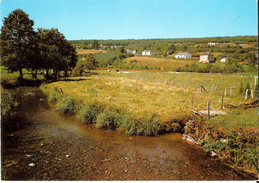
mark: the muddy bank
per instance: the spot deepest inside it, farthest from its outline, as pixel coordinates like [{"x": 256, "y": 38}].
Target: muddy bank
[{"x": 40, "y": 144}]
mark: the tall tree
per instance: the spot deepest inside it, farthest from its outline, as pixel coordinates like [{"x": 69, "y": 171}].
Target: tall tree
[
  {"x": 57, "y": 53},
  {"x": 90, "y": 62},
  {"x": 17, "y": 33},
  {"x": 95, "y": 44}
]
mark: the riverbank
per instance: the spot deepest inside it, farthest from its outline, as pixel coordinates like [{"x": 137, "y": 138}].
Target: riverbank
[
  {"x": 104, "y": 101},
  {"x": 39, "y": 143}
]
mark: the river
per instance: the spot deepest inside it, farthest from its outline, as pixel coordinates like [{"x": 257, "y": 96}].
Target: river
[{"x": 39, "y": 143}]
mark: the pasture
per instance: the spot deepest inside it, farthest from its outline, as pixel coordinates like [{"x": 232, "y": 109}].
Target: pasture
[
  {"x": 163, "y": 62},
  {"x": 167, "y": 94}
]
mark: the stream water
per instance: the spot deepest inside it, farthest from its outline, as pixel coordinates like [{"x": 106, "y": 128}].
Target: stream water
[{"x": 39, "y": 143}]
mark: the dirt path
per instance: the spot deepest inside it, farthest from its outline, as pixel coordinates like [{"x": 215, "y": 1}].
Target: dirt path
[{"x": 40, "y": 144}]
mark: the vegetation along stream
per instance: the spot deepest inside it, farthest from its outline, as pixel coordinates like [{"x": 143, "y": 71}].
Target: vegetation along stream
[{"x": 39, "y": 143}]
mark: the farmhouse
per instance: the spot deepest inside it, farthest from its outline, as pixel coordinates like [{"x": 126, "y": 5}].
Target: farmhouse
[
  {"x": 206, "y": 57},
  {"x": 183, "y": 55},
  {"x": 134, "y": 51},
  {"x": 78, "y": 47},
  {"x": 147, "y": 52},
  {"x": 224, "y": 59},
  {"x": 212, "y": 44},
  {"x": 129, "y": 51}
]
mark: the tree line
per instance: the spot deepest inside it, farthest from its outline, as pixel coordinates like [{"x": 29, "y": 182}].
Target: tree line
[{"x": 44, "y": 49}]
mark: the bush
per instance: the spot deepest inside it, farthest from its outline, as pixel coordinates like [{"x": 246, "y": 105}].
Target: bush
[
  {"x": 66, "y": 105},
  {"x": 108, "y": 120},
  {"x": 7, "y": 103},
  {"x": 88, "y": 113}
]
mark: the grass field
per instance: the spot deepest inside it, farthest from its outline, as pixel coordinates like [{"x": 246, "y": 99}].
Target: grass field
[
  {"x": 163, "y": 93},
  {"x": 159, "y": 62},
  {"x": 86, "y": 51}
]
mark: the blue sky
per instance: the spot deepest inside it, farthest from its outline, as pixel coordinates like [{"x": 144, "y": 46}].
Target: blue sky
[{"x": 140, "y": 19}]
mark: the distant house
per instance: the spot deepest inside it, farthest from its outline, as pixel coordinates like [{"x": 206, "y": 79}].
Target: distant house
[
  {"x": 78, "y": 47},
  {"x": 183, "y": 55},
  {"x": 212, "y": 44},
  {"x": 224, "y": 59},
  {"x": 134, "y": 51},
  {"x": 99, "y": 49},
  {"x": 114, "y": 46},
  {"x": 206, "y": 57},
  {"x": 238, "y": 43},
  {"x": 147, "y": 52},
  {"x": 129, "y": 51}
]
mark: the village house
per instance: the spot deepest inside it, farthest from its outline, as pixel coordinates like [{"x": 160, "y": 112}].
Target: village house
[
  {"x": 212, "y": 44},
  {"x": 134, "y": 51},
  {"x": 78, "y": 47},
  {"x": 147, "y": 52},
  {"x": 224, "y": 59},
  {"x": 183, "y": 55},
  {"x": 206, "y": 57},
  {"x": 129, "y": 51}
]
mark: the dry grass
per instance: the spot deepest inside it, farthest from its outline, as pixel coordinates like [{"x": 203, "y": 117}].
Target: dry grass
[
  {"x": 151, "y": 92},
  {"x": 87, "y": 51},
  {"x": 160, "y": 62}
]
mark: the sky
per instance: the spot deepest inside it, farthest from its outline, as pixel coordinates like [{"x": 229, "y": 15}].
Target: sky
[{"x": 140, "y": 19}]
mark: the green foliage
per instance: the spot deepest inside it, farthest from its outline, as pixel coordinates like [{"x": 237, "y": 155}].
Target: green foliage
[
  {"x": 108, "y": 120},
  {"x": 7, "y": 102},
  {"x": 16, "y": 38},
  {"x": 66, "y": 105},
  {"x": 88, "y": 113},
  {"x": 209, "y": 145}
]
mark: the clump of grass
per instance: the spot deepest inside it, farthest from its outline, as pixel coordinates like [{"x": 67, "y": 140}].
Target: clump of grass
[
  {"x": 55, "y": 96},
  {"x": 66, "y": 105},
  {"x": 7, "y": 102},
  {"x": 88, "y": 113},
  {"x": 108, "y": 120}
]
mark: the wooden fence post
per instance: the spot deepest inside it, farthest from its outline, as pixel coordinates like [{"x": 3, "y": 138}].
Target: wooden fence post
[
  {"x": 246, "y": 94},
  {"x": 208, "y": 109},
  {"x": 222, "y": 99},
  {"x": 252, "y": 94},
  {"x": 212, "y": 89},
  {"x": 230, "y": 91}
]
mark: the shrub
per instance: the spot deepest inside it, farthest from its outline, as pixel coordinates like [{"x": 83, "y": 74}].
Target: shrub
[
  {"x": 55, "y": 96},
  {"x": 108, "y": 120},
  {"x": 66, "y": 105},
  {"x": 7, "y": 101},
  {"x": 88, "y": 113}
]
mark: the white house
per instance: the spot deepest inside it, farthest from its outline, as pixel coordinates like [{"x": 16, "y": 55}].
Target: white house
[
  {"x": 224, "y": 59},
  {"x": 134, "y": 51},
  {"x": 129, "y": 51},
  {"x": 183, "y": 55},
  {"x": 206, "y": 57},
  {"x": 147, "y": 52}
]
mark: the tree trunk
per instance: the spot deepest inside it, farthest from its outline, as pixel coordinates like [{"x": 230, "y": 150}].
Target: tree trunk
[{"x": 20, "y": 72}]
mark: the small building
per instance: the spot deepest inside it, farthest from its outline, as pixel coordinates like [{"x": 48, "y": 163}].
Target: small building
[
  {"x": 134, "y": 51},
  {"x": 206, "y": 57},
  {"x": 129, "y": 51},
  {"x": 183, "y": 55},
  {"x": 147, "y": 52},
  {"x": 224, "y": 59},
  {"x": 212, "y": 44},
  {"x": 78, "y": 47},
  {"x": 238, "y": 43}
]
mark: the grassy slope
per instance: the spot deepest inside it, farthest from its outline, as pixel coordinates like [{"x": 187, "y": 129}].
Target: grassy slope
[{"x": 151, "y": 92}]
